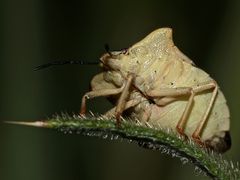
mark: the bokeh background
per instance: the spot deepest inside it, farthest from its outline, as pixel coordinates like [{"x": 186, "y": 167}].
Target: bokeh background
[{"x": 34, "y": 32}]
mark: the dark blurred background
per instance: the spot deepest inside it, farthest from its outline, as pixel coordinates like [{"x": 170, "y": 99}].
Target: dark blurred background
[{"x": 34, "y": 32}]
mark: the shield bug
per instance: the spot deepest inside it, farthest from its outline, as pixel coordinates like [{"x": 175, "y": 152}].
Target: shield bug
[{"x": 155, "y": 82}]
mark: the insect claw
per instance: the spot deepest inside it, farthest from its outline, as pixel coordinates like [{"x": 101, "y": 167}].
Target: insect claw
[
  {"x": 118, "y": 119},
  {"x": 181, "y": 133},
  {"x": 83, "y": 111},
  {"x": 82, "y": 115},
  {"x": 198, "y": 140}
]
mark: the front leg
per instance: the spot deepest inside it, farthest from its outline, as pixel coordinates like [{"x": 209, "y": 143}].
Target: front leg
[
  {"x": 98, "y": 93},
  {"x": 121, "y": 105}
]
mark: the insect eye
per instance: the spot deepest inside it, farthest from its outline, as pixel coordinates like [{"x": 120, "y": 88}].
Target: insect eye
[{"x": 139, "y": 51}]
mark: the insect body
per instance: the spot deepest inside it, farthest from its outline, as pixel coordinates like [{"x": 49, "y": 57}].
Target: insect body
[{"x": 154, "y": 81}]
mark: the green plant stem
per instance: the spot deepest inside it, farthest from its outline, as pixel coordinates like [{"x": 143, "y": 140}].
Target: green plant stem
[{"x": 210, "y": 163}]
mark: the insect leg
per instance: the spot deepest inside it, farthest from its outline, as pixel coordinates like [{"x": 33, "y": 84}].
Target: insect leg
[
  {"x": 122, "y": 100},
  {"x": 170, "y": 94},
  {"x": 97, "y": 93},
  {"x": 128, "y": 105},
  {"x": 182, "y": 121},
  {"x": 174, "y": 92},
  {"x": 165, "y": 100},
  {"x": 210, "y": 85},
  {"x": 147, "y": 113},
  {"x": 197, "y": 89}
]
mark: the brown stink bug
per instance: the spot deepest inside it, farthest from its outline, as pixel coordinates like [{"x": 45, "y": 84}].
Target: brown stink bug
[{"x": 155, "y": 82}]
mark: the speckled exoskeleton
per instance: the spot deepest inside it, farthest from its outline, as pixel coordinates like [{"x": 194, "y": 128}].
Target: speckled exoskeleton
[{"x": 155, "y": 82}]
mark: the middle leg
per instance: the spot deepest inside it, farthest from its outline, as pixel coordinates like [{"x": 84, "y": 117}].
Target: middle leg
[{"x": 123, "y": 99}]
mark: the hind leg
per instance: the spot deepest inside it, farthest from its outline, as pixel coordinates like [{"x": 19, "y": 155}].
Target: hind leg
[
  {"x": 192, "y": 91},
  {"x": 197, "y": 133}
]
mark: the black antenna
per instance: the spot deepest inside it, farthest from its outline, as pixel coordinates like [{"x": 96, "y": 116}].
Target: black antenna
[
  {"x": 107, "y": 49},
  {"x": 63, "y": 63}
]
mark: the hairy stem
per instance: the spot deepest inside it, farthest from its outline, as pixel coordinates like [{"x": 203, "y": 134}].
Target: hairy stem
[{"x": 210, "y": 163}]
